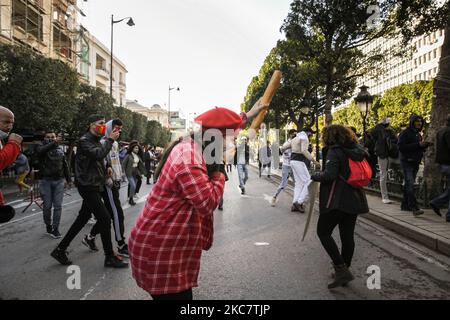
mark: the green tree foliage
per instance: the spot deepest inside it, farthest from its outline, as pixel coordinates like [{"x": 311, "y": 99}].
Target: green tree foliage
[{"x": 41, "y": 92}]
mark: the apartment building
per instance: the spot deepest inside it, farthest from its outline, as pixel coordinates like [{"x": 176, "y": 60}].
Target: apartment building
[
  {"x": 94, "y": 66},
  {"x": 420, "y": 64},
  {"x": 155, "y": 113},
  {"x": 47, "y": 26}
]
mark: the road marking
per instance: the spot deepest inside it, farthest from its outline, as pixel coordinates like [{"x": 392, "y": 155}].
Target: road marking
[
  {"x": 91, "y": 289},
  {"x": 35, "y": 214},
  {"x": 260, "y": 244}
]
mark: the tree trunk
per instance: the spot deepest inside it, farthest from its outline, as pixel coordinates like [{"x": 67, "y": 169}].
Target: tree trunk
[
  {"x": 439, "y": 111},
  {"x": 329, "y": 100}
]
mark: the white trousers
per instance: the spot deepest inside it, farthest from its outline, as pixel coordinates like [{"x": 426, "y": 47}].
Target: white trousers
[{"x": 302, "y": 181}]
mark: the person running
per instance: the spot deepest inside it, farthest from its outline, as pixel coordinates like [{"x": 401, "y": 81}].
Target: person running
[
  {"x": 300, "y": 162},
  {"x": 176, "y": 224},
  {"x": 286, "y": 170},
  {"x": 134, "y": 168},
  {"x": 53, "y": 170},
  {"x": 111, "y": 195},
  {"x": 22, "y": 167},
  {"x": 339, "y": 202},
  {"x": 90, "y": 178}
]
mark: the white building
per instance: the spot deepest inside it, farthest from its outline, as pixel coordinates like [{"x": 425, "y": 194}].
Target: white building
[
  {"x": 155, "y": 113},
  {"x": 95, "y": 67}
]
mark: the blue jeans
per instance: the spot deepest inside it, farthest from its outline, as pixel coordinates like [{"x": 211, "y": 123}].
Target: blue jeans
[
  {"x": 443, "y": 200},
  {"x": 286, "y": 171},
  {"x": 410, "y": 170},
  {"x": 243, "y": 175},
  {"x": 52, "y": 193},
  {"x": 132, "y": 185}
]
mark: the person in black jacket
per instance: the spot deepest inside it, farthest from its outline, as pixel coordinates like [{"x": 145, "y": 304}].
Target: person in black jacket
[
  {"x": 385, "y": 148},
  {"x": 340, "y": 204},
  {"x": 443, "y": 159},
  {"x": 90, "y": 178},
  {"x": 412, "y": 147},
  {"x": 53, "y": 170}
]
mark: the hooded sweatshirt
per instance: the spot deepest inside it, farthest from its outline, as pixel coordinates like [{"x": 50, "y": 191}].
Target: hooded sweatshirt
[
  {"x": 112, "y": 159},
  {"x": 299, "y": 146},
  {"x": 409, "y": 142}
]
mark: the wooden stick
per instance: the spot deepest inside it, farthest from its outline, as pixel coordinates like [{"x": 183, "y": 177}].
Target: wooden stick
[{"x": 271, "y": 89}]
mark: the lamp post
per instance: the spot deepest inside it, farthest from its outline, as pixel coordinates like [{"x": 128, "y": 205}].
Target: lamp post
[
  {"x": 364, "y": 101},
  {"x": 170, "y": 89},
  {"x": 131, "y": 24}
]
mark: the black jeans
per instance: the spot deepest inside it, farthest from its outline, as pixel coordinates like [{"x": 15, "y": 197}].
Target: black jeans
[
  {"x": 410, "y": 170},
  {"x": 185, "y": 295},
  {"x": 111, "y": 198},
  {"x": 325, "y": 226},
  {"x": 92, "y": 203}
]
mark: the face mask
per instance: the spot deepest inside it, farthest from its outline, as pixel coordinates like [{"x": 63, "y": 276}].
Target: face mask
[
  {"x": 3, "y": 135},
  {"x": 100, "y": 129},
  {"x": 47, "y": 141}
]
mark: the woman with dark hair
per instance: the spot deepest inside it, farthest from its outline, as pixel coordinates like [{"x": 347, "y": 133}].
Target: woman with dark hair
[
  {"x": 340, "y": 203},
  {"x": 176, "y": 224},
  {"x": 134, "y": 168}
]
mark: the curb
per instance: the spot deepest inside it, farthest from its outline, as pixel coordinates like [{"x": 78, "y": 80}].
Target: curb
[{"x": 428, "y": 239}]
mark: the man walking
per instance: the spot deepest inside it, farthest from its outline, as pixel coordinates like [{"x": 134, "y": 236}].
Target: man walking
[
  {"x": 443, "y": 159},
  {"x": 242, "y": 159},
  {"x": 286, "y": 171},
  {"x": 111, "y": 194},
  {"x": 385, "y": 149},
  {"x": 53, "y": 170},
  {"x": 90, "y": 177},
  {"x": 412, "y": 147},
  {"x": 300, "y": 161}
]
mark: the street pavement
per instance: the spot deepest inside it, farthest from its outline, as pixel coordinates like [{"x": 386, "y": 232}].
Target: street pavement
[{"x": 257, "y": 254}]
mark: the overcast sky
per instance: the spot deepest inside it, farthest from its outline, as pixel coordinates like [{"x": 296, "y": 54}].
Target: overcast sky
[{"x": 211, "y": 49}]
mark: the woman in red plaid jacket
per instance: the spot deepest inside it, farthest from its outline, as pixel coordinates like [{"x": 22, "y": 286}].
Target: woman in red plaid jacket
[{"x": 176, "y": 223}]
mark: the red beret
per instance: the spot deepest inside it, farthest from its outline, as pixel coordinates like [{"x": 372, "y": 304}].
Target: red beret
[{"x": 219, "y": 118}]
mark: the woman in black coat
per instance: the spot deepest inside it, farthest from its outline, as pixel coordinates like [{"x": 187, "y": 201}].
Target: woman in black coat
[{"x": 340, "y": 203}]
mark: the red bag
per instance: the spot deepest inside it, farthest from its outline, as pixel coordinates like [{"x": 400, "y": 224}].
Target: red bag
[{"x": 360, "y": 173}]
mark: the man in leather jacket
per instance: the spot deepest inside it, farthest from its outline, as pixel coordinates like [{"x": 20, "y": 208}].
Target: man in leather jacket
[{"x": 90, "y": 178}]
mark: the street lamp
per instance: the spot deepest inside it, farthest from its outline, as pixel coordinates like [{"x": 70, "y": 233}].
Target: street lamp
[
  {"x": 170, "y": 89},
  {"x": 131, "y": 24},
  {"x": 364, "y": 101}
]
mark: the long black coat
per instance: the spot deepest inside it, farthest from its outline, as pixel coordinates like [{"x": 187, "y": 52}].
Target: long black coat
[{"x": 335, "y": 192}]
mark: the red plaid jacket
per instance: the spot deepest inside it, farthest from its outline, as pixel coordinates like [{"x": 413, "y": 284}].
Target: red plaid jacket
[{"x": 176, "y": 223}]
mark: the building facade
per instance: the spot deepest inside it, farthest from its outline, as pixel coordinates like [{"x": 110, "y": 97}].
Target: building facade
[
  {"x": 47, "y": 26},
  {"x": 94, "y": 66},
  {"x": 421, "y": 64},
  {"x": 155, "y": 113}
]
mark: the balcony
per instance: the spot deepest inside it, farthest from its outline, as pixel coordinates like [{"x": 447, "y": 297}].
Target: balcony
[{"x": 103, "y": 73}]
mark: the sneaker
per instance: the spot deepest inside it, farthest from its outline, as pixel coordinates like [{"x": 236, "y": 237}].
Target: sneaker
[
  {"x": 299, "y": 207},
  {"x": 49, "y": 230},
  {"x": 436, "y": 209},
  {"x": 242, "y": 191},
  {"x": 56, "y": 234},
  {"x": 418, "y": 212},
  {"x": 294, "y": 209},
  {"x": 131, "y": 202},
  {"x": 61, "y": 257},
  {"x": 387, "y": 201},
  {"x": 92, "y": 221},
  {"x": 273, "y": 202},
  {"x": 90, "y": 243},
  {"x": 115, "y": 262},
  {"x": 123, "y": 251},
  {"x": 220, "y": 208}
]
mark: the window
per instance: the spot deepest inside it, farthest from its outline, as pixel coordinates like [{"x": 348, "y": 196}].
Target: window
[
  {"x": 27, "y": 18},
  {"x": 429, "y": 56},
  {"x": 100, "y": 63},
  {"x": 420, "y": 43},
  {"x": 62, "y": 44},
  {"x": 434, "y": 54},
  {"x": 420, "y": 60},
  {"x": 424, "y": 58}
]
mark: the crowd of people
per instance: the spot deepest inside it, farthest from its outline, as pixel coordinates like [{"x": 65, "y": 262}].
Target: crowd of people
[{"x": 176, "y": 224}]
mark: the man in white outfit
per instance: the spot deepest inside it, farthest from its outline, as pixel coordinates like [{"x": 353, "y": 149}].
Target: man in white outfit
[{"x": 300, "y": 161}]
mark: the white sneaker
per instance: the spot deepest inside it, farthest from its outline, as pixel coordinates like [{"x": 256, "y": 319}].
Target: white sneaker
[
  {"x": 387, "y": 201},
  {"x": 273, "y": 201}
]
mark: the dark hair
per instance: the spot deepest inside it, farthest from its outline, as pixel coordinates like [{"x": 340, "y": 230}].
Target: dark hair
[
  {"x": 337, "y": 134},
  {"x": 448, "y": 120},
  {"x": 49, "y": 131},
  {"x": 117, "y": 122},
  {"x": 292, "y": 131}
]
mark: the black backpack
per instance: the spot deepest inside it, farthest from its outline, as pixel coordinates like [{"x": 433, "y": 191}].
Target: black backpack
[{"x": 391, "y": 144}]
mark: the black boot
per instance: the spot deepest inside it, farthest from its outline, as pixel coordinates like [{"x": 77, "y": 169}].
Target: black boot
[
  {"x": 115, "y": 262},
  {"x": 131, "y": 202},
  {"x": 341, "y": 277}
]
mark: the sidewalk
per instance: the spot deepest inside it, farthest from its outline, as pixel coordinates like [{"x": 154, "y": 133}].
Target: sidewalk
[{"x": 429, "y": 229}]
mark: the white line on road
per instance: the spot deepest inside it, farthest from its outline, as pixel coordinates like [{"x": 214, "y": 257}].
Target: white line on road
[{"x": 89, "y": 292}]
